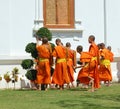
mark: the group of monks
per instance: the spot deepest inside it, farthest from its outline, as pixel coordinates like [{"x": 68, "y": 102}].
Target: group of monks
[{"x": 94, "y": 65}]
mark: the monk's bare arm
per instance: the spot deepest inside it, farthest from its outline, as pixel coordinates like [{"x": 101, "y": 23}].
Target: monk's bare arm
[{"x": 75, "y": 67}]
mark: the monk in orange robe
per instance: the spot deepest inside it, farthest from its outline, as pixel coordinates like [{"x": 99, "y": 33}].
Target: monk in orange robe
[
  {"x": 105, "y": 68},
  {"x": 60, "y": 75},
  {"x": 111, "y": 53},
  {"x": 44, "y": 55},
  {"x": 71, "y": 62},
  {"x": 85, "y": 75},
  {"x": 93, "y": 50}
]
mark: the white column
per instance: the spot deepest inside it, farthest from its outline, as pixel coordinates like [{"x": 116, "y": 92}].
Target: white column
[
  {"x": 105, "y": 23},
  {"x": 40, "y": 13},
  {"x": 36, "y": 9},
  {"x": 38, "y": 21},
  {"x": 40, "y": 9}
]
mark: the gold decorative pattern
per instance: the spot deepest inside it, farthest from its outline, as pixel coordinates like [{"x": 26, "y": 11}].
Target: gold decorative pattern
[{"x": 59, "y": 13}]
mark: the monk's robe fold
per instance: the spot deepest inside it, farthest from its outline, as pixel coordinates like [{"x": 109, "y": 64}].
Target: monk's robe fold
[
  {"x": 60, "y": 75},
  {"x": 71, "y": 62},
  {"x": 43, "y": 75},
  {"x": 111, "y": 56},
  {"x": 93, "y": 50},
  {"x": 105, "y": 67},
  {"x": 87, "y": 70}
]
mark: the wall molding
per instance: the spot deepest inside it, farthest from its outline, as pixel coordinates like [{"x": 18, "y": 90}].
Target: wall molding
[
  {"x": 12, "y": 60},
  {"x": 61, "y": 32},
  {"x": 16, "y": 60}
]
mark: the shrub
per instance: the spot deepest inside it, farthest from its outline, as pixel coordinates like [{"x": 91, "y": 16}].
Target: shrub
[
  {"x": 31, "y": 48},
  {"x": 31, "y": 74},
  {"x": 27, "y": 63},
  {"x": 44, "y": 32}
]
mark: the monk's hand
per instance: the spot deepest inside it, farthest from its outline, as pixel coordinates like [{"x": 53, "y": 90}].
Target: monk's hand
[
  {"x": 82, "y": 65},
  {"x": 74, "y": 68}
]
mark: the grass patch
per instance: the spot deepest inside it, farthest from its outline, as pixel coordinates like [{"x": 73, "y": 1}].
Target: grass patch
[{"x": 105, "y": 97}]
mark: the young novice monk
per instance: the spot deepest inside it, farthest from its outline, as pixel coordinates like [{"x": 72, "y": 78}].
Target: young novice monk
[
  {"x": 85, "y": 76},
  {"x": 94, "y": 51},
  {"x": 111, "y": 53},
  {"x": 60, "y": 75},
  {"x": 43, "y": 68},
  {"x": 71, "y": 62},
  {"x": 105, "y": 67}
]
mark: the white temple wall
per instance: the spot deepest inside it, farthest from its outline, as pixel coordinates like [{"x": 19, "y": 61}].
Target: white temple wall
[{"x": 17, "y": 23}]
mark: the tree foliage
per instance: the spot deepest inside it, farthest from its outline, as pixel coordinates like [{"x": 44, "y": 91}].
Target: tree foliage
[
  {"x": 44, "y": 32},
  {"x": 27, "y": 63},
  {"x": 31, "y": 48}
]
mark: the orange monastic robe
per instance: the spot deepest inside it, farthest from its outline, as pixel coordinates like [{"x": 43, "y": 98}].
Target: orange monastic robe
[
  {"x": 111, "y": 56},
  {"x": 60, "y": 75},
  {"x": 71, "y": 62},
  {"x": 43, "y": 75},
  {"x": 93, "y": 50},
  {"x": 87, "y": 70},
  {"x": 105, "y": 68}
]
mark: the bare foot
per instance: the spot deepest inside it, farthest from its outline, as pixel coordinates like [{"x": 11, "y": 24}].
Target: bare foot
[
  {"x": 91, "y": 90},
  {"x": 46, "y": 89},
  {"x": 34, "y": 88}
]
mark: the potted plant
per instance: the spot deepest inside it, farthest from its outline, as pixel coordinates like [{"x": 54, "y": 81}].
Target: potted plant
[
  {"x": 15, "y": 75},
  {"x": 0, "y": 78},
  {"x": 7, "y": 78}
]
